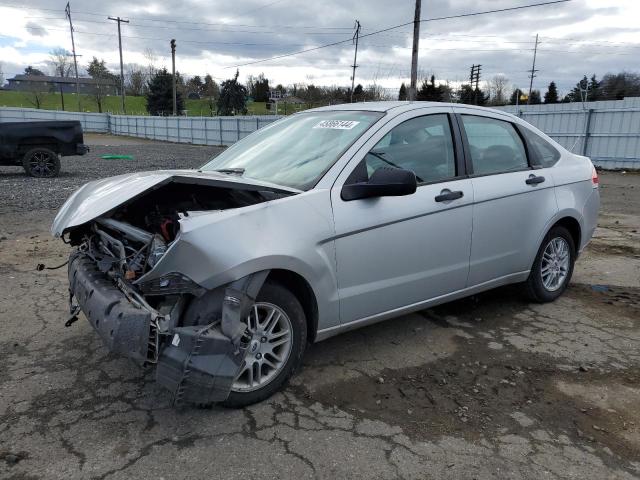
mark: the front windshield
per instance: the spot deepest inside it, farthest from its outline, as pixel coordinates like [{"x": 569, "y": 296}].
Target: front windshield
[{"x": 297, "y": 150}]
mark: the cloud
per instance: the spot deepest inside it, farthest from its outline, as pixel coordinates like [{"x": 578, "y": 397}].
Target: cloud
[
  {"x": 213, "y": 36},
  {"x": 35, "y": 29}
]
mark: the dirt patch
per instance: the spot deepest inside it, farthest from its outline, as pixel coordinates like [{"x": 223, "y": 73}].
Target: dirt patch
[
  {"x": 481, "y": 394},
  {"x": 617, "y": 249},
  {"x": 625, "y": 300}
]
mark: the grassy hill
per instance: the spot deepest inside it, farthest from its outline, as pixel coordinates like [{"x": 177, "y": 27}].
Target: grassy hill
[{"x": 111, "y": 104}]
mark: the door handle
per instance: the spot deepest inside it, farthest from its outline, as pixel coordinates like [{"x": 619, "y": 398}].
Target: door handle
[
  {"x": 534, "y": 180},
  {"x": 448, "y": 195}
]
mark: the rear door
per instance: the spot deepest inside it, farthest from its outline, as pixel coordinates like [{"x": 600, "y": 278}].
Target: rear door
[{"x": 514, "y": 197}]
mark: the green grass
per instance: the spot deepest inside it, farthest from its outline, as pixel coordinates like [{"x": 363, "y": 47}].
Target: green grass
[{"x": 112, "y": 104}]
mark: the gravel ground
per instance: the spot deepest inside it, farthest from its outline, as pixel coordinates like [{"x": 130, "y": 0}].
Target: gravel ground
[
  {"x": 18, "y": 192},
  {"x": 489, "y": 387}
]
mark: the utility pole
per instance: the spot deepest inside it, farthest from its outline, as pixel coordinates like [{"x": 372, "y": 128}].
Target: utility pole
[
  {"x": 67, "y": 12},
  {"x": 121, "y": 20},
  {"x": 474, "y": 77},
  {"x": 533, "y": 70},
  {"x": 173, "y": 76},
  {"x": 413, "y": 87},
  {"x": 356, "y": 36}
]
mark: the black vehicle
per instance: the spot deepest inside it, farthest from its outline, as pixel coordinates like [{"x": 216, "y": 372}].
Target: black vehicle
[{"x": 38, "y": 146}]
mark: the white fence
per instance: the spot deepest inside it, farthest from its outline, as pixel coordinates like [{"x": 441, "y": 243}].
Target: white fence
[
  {"x": 607, "y": 131},
  {"x": 196, "y": 130}
]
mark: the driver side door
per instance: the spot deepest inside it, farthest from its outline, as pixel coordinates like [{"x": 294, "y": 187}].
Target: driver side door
[{"x": 398, "y": 252}]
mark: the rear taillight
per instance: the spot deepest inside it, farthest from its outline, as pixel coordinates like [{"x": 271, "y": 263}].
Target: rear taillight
[{"x": 594, "y": 178}]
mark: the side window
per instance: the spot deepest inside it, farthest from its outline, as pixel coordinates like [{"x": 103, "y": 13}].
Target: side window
[
  {"x": 423, "y": 145},
  {"x": 495, "y": 145},
  {"x": 547, "y": 154}
]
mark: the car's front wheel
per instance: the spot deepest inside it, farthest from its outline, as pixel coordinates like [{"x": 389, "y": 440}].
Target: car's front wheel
[
  {"x": 553, "y": 266},
  {"x": 279, "y": 329}
]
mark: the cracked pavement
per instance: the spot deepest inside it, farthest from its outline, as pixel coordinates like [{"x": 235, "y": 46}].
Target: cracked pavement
[{"x": 486, "y": 387}]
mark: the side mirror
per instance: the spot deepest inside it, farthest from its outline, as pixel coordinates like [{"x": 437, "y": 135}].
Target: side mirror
[{"x": 384, "y": 182}]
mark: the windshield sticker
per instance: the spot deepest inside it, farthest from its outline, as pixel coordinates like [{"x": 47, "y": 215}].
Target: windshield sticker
[{"x": 337, "y": 124}]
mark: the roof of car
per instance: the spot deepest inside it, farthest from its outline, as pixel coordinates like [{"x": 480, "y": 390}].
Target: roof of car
[{"x": 400, "y": 106}]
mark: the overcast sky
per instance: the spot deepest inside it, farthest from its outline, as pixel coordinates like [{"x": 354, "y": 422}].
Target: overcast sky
[{"x": 214, "y": 36}]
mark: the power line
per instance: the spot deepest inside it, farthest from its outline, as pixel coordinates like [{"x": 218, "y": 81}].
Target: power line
[
  {"x": 122, "y": 93},
  {"x": 356, "y": 37},
  {"x": 449, "y": 17}
]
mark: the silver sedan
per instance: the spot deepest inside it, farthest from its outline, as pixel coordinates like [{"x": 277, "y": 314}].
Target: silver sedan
[{"x": 322, "y": 222}]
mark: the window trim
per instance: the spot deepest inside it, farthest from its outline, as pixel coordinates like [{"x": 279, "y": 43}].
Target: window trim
[
  {"x": 456, "y": 141},
  {"x": 468, "y": 161}
]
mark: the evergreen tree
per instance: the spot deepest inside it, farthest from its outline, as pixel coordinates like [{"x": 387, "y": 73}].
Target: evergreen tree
[
  {"x": 429, "y": 91},
  {"x": 472, "y": 96},
  {"x": 160, "y": 94},
  {"x": 515, "y": 96},
  {"x": 594, "y": 89},
  {"x": 552, "y": 94},
  {"x": 195, "y": 85},
  {"x": 232, "y": 100},
  {"x": 579, "y": 92},
  {"x": 358, "y": 93},
  {"x": 535, "y": 99},
  {"x": 402, "y": 95}
]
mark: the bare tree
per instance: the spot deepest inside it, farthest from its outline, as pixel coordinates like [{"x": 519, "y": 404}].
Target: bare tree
[
  {"x": 1, "y": 75},
  {"x": 135, "y": 81},
  {"x": 34, "y": 94},
  {"x": 498, "y": 87},
  {"x": 60, "y": 61},
  {"x": 152, "y": 61}
]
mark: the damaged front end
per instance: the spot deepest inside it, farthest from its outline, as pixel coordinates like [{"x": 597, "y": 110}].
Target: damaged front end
[{"x": 197, "y": 338}]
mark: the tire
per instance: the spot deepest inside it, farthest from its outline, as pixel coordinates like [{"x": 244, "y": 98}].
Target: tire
[
  {"x": 272, "y": 295},
  {"x": 41, "y": 163},
  {"x": 546, "y": 288}
]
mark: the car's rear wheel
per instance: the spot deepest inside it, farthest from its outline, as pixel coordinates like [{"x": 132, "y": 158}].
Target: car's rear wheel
[
  {"x": 41, "y": 163},
  {"x": 279, "y": 329},
  {"x": 553, "y": 266}
]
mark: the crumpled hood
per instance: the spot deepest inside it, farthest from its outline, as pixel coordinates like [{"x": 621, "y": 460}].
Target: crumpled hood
[{"x": 99, "y": 197}]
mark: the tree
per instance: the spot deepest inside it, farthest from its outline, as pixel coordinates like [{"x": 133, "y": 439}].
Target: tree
[
  {"x": 429, "y": 92},
  {"x": 579, "y": 93},
  {"x": 472, "y": 96},
  {"x": 103, "y": 80},
  {"x": 357, "y": 93},
  {"x": 61, "y": 63},
  {"x": 232, "y": 98},
  {"x": 211, "y": 92},
  {"x": 134, "y": 81},
  {"x": 498, "y": 89},
  {"x": 594, "y": 89},
  {"x": 160, "y": 94},
  {"x": 195, "y": 85},
  {"x": 552, "y": 94},
  {"x": 31, "y": 71},
  {"x": 535, "y": 98},
  {"x": 402, "y": 94},
  {"x": 516, "y": 97},
  {"x": 616, "y": 86},
  {"x": 1, "y": 75},
  {"x": 151, "y": 59}
]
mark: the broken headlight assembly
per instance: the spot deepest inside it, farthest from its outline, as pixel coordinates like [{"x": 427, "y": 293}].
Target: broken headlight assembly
[{"x": 171, "y": 283}]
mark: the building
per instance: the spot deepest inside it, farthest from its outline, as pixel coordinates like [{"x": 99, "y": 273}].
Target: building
[{"x": 45, "y": 83}]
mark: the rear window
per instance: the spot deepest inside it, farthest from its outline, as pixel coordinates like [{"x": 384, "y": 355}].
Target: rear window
[{"x": 546, "y": 153}]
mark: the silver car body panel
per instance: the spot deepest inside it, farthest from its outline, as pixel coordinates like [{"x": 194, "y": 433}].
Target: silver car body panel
[{"x": 368, "y": 260}]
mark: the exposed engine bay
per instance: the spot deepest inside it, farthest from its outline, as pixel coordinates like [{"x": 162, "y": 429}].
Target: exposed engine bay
[
  {"x": 197, "y": 337},
  {"x": 130, "y": 241}
]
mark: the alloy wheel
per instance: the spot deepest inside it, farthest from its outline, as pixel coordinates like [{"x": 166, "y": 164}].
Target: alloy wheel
[
  {"x": 41, "y": 164},
  {"x": 269, "y": 348},
  {"x": 555, "y": 264}
]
